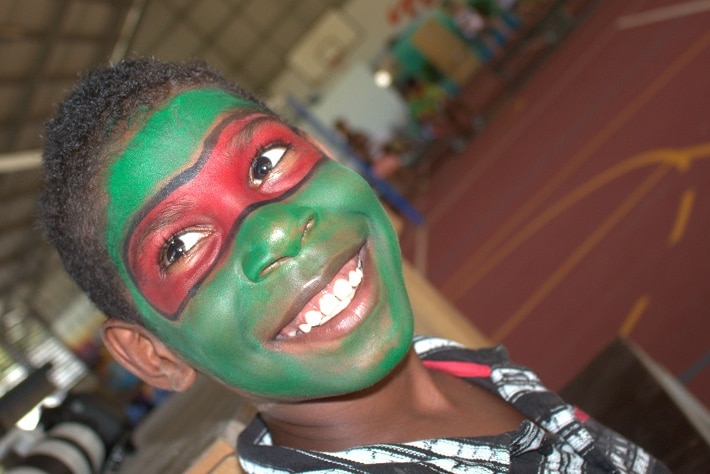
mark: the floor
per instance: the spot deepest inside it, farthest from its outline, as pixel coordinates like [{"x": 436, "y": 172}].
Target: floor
[{"x": 582, "y": 211}]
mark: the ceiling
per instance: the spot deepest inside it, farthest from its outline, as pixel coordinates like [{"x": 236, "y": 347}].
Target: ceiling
[{"x": 45, "y": 44}]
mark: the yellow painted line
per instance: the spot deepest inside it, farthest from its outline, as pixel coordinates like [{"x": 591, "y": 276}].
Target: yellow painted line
[
  {"x": 634, "y": 316},
  {"x": 680, "y": 159},
  {"x": 658, "y": 15},
  {"x": 681, "y": 221},
  {"x": 458, "y": 283},
  {"x": 541, "y": 107},
  {"x": 578, "y": 255}
]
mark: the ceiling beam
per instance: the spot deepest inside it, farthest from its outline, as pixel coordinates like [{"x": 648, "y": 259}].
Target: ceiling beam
[
  {"x": 128, "y": 29},
  {"x": 61, "y": 8},
  {"x": 181, "y": 12},
  {"x": 19, "y": 80},
  {"x": 12, "y": 33},
  {"x": 108, "y": 41},
  {"x": 20, "y": 161}
]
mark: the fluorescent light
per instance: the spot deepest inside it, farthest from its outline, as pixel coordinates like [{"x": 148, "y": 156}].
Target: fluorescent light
[{"x": 383, "y": 78}]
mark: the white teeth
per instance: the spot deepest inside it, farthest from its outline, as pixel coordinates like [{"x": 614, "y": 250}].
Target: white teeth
[
  {"x": 355, "y": 277},
  {"x": 328, "y": 304},
  {"x": 331, "y": 304},
  {"x": 314, "y": 318},
  {"x": 342, "y": 289}
]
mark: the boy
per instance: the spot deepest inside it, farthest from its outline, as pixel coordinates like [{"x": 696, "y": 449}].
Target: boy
[{"x": 218, "y": 239}]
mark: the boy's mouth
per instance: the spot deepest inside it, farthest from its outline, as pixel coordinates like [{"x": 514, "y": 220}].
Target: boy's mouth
[{"x": 328, "y": 303}]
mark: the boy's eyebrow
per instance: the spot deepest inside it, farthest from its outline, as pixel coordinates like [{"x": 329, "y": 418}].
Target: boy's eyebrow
[
  {"x": 247, "y": 133},
  {"x": 169, "y": 213}
]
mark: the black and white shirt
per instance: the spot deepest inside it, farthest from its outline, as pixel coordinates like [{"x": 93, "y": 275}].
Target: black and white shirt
[{"x": 555, "y": 438}]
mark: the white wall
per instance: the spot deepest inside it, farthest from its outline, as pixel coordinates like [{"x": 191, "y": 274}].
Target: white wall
[
  {"x": 364, "y": 106},
  {"x": 348, "y": 91}
]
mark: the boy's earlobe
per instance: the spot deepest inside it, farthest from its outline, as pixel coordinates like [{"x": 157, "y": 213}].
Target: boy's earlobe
[{"x": 145, "y": 356}]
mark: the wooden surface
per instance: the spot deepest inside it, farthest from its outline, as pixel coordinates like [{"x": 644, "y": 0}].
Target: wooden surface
[
  {"x": 191, "y": 432},
  {"x": 435, "y": 316}
]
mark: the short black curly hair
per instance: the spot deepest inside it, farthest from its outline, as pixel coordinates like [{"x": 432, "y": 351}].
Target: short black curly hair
[{"x": 79, "y": 142}]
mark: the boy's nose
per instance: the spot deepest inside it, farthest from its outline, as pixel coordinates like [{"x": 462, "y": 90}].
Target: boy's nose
[{"x": 270, "y": 235}]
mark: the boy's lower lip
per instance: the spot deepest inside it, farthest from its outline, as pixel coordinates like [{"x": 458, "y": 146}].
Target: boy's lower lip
[{"x": 344, "y": 322}]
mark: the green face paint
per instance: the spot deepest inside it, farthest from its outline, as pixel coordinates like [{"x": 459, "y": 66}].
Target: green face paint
[{"x": 228, "y": 239}]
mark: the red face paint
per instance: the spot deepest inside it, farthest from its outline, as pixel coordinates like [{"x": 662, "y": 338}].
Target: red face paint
[{"x": 221, "y": 187}]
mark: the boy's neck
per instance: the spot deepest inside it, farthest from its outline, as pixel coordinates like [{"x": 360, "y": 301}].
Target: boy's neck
[{"x": 411, "y": 403}]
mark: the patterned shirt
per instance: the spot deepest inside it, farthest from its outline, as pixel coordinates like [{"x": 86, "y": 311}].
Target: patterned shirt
[{"x": 556, "y": 437}]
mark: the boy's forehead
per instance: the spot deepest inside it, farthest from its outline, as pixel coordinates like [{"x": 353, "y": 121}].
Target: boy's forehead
[
  {"x": 169, "y": 138},
  {"x": 177, "y": 127}
]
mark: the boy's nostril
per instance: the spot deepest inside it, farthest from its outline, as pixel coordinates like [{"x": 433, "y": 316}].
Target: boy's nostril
[
  {"x": 307, "y": 227},
  {"x": 272, "y": 266}
]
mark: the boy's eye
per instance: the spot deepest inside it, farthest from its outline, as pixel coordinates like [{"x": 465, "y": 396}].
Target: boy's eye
[
  {"x": 265, "y": 162},
  {"x": 178, "y": 246}
]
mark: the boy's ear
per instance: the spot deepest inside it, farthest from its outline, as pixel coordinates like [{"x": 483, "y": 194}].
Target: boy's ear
[{"x": 145, "y": 356}]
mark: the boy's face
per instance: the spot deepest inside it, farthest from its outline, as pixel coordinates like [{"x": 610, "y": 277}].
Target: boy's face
[{"x": 240, "y": 244}]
